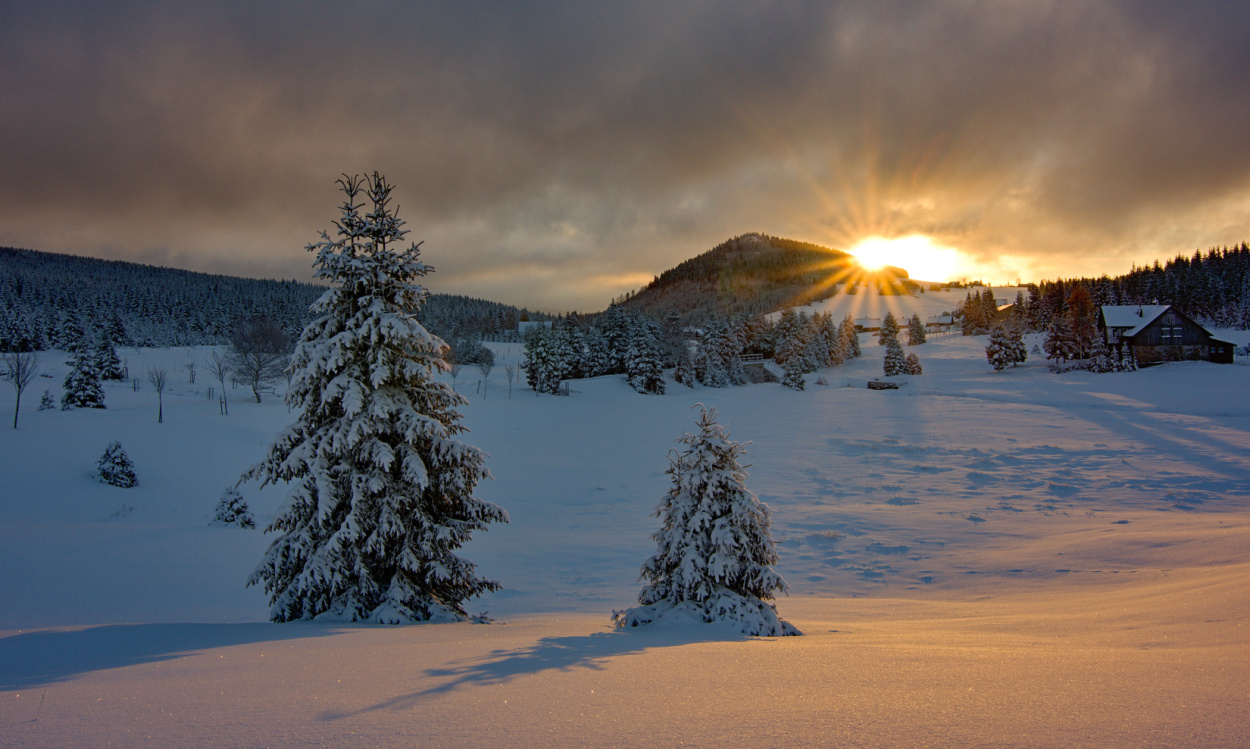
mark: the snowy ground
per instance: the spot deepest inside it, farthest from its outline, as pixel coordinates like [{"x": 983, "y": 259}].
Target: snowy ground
[{"x": 978, "y": 558}]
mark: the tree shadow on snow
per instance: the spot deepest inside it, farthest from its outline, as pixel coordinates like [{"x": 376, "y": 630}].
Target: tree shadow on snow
[
  {"x": 592, "y": 651},
  {"x": 44, "y": 657}
]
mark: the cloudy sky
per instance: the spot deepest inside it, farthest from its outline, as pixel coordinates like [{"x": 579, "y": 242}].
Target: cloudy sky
[{"x": 555, "y": 155}]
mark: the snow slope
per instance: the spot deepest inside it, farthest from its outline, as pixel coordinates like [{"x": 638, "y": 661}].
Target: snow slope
[{"x": 1013, "y": 558}]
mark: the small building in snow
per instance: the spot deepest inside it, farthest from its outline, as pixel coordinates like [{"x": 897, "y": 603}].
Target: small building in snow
[{"x": 1154, "y": 333}]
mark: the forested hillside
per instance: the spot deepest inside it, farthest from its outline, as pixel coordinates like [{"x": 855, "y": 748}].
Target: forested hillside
[
  {"x": 754, "y": 274},
  {"x": 47, "y": 300}
]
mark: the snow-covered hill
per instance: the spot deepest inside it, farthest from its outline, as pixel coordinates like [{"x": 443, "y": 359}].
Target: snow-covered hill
[{"x": 978, "y": 557}]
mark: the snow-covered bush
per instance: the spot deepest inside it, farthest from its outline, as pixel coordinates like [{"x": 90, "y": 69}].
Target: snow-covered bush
[
  {"x": 821, "y": 381},
  {"x": 911, "y": 365},
  {"x": 46, "y": 403},
  {"x": 232, "y": 509},
  {"x": 715, "y": 547},
  {"x": 381, "y": 491},
  {"x": 115, "y": 467}
]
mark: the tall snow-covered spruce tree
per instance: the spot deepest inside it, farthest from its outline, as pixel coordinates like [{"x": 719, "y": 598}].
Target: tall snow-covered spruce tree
[
  {"x": 381, "y": 491},
  {"x": 716, "y": 551}
]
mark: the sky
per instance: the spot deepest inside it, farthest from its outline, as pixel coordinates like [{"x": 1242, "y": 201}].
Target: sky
[{"x": 557, "y": 154}]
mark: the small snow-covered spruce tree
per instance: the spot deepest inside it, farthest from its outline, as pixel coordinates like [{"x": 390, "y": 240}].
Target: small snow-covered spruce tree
[
  {"x": 998, "y": 350},
  {"x": 1100, "y": 361},
  {"x": 911, "y": 365},
  {"x": 888, "y": 331},
  {"x": 643, "y": 365},
  {"x": 849, "y": 338},
  {"x": 46, "y": 403},
  {"x": 381, "y": 490},
  {"x": 894, "y": 361},
  {"x": 106, "y": 361},
  {"x": 793, "y": 374},
  {"x": 115, "y": 468},
  {"x": 1016, "y": 349},
  {"x": 543, "y": 365},
  {"x": 233, "y": 510},
  {"x": 715, "y": 547},
  {"x": 684, "y": 371},
  {"x": 1122, "y": 359},
  {"x": 916, "y": 332},
  {"x": 82, "y": 382}
]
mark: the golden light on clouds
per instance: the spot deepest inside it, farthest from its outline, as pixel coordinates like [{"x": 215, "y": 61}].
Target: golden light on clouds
[
  {"x": 556, "y": 155},
  {"x": 916, "y": 253}
]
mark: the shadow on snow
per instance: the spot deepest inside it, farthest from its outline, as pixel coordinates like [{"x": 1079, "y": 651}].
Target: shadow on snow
[
  {"x": 44, "y": 657},
  {"x": 592, "y": 651}
]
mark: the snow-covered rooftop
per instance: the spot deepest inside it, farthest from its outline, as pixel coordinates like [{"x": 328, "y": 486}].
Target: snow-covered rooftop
[{"x": 1134, "y": 316}]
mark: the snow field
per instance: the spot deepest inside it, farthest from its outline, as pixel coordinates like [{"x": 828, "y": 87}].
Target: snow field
[{"x": 978, "y": 557}]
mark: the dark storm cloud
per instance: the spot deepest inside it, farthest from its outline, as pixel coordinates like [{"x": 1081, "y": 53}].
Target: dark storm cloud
[{"x": 557, "y": 154}]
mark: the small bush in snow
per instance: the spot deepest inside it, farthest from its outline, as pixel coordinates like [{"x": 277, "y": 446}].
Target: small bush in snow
[
  {"x": 821, "y": 381},
  {"x": 911, "y": 365},
  {"x": 233, "y": 510},
  {"x": 46, "y": 403},
  {"x": 716, "y": 550},
  {"x": 115, "y": 468}
]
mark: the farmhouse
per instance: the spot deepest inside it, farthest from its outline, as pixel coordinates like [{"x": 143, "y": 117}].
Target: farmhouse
[{"x": 1154, "y": 333}]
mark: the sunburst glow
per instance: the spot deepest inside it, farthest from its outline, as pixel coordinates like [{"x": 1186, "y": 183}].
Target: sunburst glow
[{"x": 916, "y": 254}]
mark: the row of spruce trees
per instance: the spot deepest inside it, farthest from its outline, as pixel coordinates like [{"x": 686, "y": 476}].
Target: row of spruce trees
[{"x": 624, "y": 342}]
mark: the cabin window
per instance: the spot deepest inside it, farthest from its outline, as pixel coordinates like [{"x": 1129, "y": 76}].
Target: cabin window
[{"x": 1171, "y": 334}]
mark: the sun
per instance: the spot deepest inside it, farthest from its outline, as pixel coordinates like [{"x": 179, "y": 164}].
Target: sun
[{"x": 916, "y": 254}]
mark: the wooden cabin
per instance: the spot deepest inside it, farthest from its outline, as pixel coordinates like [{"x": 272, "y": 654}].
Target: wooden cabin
[{"x": 1156, "y": 333}]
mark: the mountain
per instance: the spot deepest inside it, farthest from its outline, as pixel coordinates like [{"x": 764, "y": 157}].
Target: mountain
[
  {"x": 755, "y": 274},
  {"x": 47, "y": 300}
]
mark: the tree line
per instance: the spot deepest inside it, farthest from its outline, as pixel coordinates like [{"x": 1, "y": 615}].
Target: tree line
[{"x": 47, "y": 300}]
